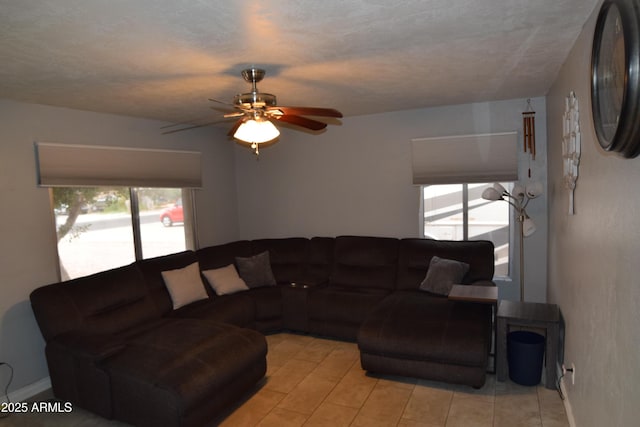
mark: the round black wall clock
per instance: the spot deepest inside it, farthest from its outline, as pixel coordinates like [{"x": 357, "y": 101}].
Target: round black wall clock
[{"x": 615, "y": 77}]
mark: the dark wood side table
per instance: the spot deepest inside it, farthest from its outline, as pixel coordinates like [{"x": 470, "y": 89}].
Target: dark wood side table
[
  {"x": 483, "y": 295},
  {"x": 531, "y": 315}
]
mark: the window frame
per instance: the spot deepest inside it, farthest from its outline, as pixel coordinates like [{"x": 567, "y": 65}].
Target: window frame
[
  {"x": 190, "y": 225},
  {"x": 465, "y": 224}
]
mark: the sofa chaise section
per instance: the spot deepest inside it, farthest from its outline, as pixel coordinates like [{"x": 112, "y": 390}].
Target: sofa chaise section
[
  {"x": 116, "y": 347},
  {"x": 417, "y": 333},
  {"x": 184, "y": 372},
  {"x": 414, "y": 334},
  {"x": 82, "y": 322}
]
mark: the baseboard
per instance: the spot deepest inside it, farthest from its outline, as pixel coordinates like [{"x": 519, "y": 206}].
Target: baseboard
[
  {"x": 28, "y": 391},
  {"x": 566, "y": 401}
]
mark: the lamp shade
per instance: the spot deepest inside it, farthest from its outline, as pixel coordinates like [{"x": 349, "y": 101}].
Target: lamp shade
[
  {"x": 518, "y": 191},
  {"x": 499, "y": 188},
  {"x": 256, "y": 131},
  {"x": 534, "y": 189},
  {"x": 490, "y": 193},
  {"x": 528, "y": 227}
]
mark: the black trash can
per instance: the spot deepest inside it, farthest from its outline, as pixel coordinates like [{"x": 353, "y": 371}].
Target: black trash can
[{"x": 525, "y": 353}]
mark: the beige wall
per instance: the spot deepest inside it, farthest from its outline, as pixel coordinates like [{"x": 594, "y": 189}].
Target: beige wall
[
  {"x": 27, "y": 245},
  {"x": 594, "y": 266}
]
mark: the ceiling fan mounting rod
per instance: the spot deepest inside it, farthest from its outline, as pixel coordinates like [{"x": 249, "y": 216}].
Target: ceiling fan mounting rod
[
  {"x": 254, "y": 99},
  {"x": 253, "y": 76}
]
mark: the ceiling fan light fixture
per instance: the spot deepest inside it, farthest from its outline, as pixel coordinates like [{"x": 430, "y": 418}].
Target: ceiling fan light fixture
[
  {"x": 254, "y": 131},
  {"x": 256, "y": 112}
]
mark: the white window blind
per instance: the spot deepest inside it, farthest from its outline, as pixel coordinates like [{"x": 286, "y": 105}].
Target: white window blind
[
  {"x": 465, "y": 158},
  {"x": 86, "y": 165}
]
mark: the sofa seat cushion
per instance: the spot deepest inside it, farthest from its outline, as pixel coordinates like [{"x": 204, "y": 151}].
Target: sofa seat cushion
[
  {"x": 166, "y": 372},
  {"x": 236, "y": 309},
  {"x": 418, "y": 326},
  {"x": 339, "y": 311},
  {"x": 343, "y": 303}
]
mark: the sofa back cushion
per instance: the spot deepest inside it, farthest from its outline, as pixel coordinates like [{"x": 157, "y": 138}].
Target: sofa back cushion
[
  {"x": 415, "y": 256},
  {"x": 104, "y": 303},
  {"x": 222, "y": 255},
  {"x": 365, "y": 262},
  {"x": 288, "y": 257},
  {"x": 321, "y": 250},
  {"x": 152, "y": 269}
]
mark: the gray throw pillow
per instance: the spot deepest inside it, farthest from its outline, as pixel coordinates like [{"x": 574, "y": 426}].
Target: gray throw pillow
[
  {"x": 256, "y": 270},
  {"x": 442, "y": 275}
]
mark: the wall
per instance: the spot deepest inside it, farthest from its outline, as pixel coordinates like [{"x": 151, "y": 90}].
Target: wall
[
  {"x": 356, "y": 178},
  {"x": 28, "y": 246},
  {"x": 593, "y": 258}
]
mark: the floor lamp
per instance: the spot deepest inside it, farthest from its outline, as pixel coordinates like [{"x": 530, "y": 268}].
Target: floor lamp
[{"x": 518, "y": 198}]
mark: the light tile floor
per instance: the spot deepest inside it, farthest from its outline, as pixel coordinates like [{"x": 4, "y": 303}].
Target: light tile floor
[{"x": 318, "y": 382}]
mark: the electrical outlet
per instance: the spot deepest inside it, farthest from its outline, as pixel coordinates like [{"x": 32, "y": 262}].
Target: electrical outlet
[
  {"x": 573, "y": 374},
  {"x": 572, "y": 369}
]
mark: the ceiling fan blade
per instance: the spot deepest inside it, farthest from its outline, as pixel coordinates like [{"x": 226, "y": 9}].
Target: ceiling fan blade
[
  {"x": 235, "y": 127},
  {"x": 301, "y": 121},
  {"x": 188, "y": 127},
  {"x": 221, "y": 102},
  {"x": 236, "y": 114},
  {"x": 308, "y": 111},
  {"x": 187, "y": 122}
]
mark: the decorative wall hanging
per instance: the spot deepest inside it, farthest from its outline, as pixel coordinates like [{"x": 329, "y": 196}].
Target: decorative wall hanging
[
  {"x": 571, "y": 145},
  {"x": 529, "y": 132}
]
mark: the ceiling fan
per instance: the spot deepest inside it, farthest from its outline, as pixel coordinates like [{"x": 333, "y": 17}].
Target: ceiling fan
[{"x": 257, "y": 111}]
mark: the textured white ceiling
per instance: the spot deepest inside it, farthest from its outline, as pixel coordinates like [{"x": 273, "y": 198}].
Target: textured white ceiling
[{"x": 162, "y": 59}]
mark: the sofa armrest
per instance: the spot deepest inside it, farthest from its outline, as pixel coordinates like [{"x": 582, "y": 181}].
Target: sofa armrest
[{"x": 483, "y": 283}]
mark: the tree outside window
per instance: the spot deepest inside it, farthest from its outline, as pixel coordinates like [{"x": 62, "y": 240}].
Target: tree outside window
[{"x": 99, "y": 228}]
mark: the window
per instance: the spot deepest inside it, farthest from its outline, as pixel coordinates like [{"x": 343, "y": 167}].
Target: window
[
  {"x": 99, "y": 228},
  {"x": 458, "y": 212}
]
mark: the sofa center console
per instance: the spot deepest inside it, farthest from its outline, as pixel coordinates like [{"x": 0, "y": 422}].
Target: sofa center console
[{"x": 294, "y": 306}]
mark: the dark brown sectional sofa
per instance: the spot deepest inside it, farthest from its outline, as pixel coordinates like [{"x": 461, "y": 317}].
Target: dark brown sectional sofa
[{"x": 116, "y": 346}]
